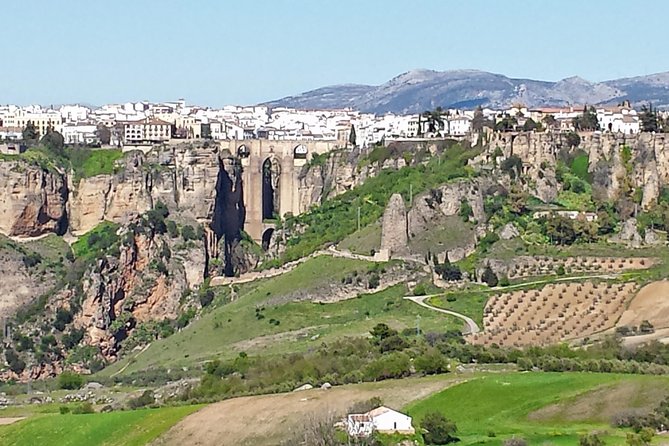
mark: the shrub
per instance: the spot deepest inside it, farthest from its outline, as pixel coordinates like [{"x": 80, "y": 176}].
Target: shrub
[
  {"x": 515, "y": 441},
  {"x": 591, "y": 439},
  {"x": 489, "y": 277},
  {"x": 172, "y": 228},
  {"x": 63, "y": 317},
  {"x": 431, "y": 362},
  {"x": 63, "y": 410},
  {"x": 84, "y": 408},
  {"x": 32, "y": 259},
  {"x": 145, "y": 399},
  {"x": 70, "y": 381},
  {"x": 188, "y": 233},
  {"x": 419, "y": 290},
  {"x": 206, "y": 297},
  {"x": 439, "y": 429},
  {"x": 16, "y": 364}
]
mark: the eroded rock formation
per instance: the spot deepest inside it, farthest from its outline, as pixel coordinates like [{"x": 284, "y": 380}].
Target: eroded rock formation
[{"x": 394, "y": 236}]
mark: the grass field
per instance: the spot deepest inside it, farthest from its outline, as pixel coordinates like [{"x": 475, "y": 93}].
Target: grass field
[
  {"x": 229, "y": 329},
  {"x": 469, "y": 303},
  {"x": 447, "y": 234},
  {"x": 543, "y": 408},
  {"x": 363, "y": 241},
  {"x": 87, "y": 163},
  {"x": 126, "y": 428}
]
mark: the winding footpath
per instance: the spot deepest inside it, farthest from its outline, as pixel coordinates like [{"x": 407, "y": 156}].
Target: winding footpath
[{"x": 472, "y": 328}]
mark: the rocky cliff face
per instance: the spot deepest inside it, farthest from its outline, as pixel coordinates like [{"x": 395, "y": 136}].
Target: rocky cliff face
[
  {"x": 183, "y": 177},
  {"x": 539, "y": 153},
  {"x": 32, "y": 200},
  {"x": 122, "y": 292}
]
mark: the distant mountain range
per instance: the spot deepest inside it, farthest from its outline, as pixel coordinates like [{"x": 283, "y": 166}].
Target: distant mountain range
[{"x": 419, "y": 90}]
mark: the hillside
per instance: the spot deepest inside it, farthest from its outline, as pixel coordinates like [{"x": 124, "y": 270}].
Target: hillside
[{"x": 419, "y": 90}]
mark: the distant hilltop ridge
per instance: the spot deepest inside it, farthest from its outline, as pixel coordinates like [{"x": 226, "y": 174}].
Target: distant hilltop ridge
[{"x": 419, "y": 90}]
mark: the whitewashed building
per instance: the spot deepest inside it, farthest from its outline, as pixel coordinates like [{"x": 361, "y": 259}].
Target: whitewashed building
[{"x": 382, "y": 420}]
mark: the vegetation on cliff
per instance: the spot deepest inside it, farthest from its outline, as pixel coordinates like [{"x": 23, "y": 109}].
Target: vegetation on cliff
[{"x": 336, "y": 218}]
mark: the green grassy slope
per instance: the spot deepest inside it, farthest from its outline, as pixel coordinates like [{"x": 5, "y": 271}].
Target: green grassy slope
[
  {"x": 234, "y": 327},
  {"x": 501, "y": 404},
  {"x": 127, "y": 428}
]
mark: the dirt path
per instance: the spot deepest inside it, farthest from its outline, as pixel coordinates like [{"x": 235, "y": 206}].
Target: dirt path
[
  {"x": 472, "y": 328},
  {"x": 6, "y": 421},
  {"x": 267, "y": 419}
]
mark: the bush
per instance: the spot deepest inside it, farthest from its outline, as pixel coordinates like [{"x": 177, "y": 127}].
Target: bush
[
  {"x": 188, "y": 233},
  {"x": 419, "y": 290},
  {"x": 591, "y": 439},
  {"x": 515, "y": 441},
  {"x": 63, "y": 317},
  {"x": 32, "y": 259},
  {"x": 206, "y": 297},
  {"x": 431, "y": 362},
  {"x": 16, "y": 364},
  {"x": 84, "y": 408},
  {"x": 70, "y": 381},
  {"x": 489, "y": 277},
  {"x": 63, "y": 410},
  {"x": 172, "y": 228},
  {"x": 439, "y": 429},
  {"x": 145, "y": 399}
]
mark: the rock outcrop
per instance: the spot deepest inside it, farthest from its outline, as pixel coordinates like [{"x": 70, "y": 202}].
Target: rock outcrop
[
  {"x": 182, "y": 177},
  {"x": 445, "y": 201},
  {"x": 629, "y": 234},
  {"x": 509, "y": 231},
  {"x": 539, "y": 153},
  {"x": 394, "y": 236},
  {"x": 32, "y": 200},
  {"x": 121, "y": 293}
]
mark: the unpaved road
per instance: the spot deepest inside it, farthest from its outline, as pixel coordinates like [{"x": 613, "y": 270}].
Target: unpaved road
[
  {"x": 267, "y": 419},
  {"x": 6, "y": 421},
  {"x": 472, "y": 328}
]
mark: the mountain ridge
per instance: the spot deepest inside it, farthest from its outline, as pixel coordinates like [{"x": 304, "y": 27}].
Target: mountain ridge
[{"x": 421, "y": 89}]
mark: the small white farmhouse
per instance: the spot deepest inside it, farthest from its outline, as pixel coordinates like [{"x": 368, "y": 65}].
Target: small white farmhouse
[{"x": 382, "y": 419}]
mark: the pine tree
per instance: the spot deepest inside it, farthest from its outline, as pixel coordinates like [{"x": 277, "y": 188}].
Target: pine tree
[{"x": 352, "y": 136}]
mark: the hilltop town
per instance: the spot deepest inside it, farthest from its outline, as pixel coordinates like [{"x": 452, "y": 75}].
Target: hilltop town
[
  {"x": 166, "y": 255},
  {"x": 142, "y": 123}
]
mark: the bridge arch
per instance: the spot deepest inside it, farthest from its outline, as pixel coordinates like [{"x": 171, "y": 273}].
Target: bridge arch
[{"x": 271, "y": 172}]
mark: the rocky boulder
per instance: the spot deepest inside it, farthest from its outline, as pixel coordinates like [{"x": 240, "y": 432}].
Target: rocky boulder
[
  {"x": 629, "y": 234},
  {"x": 509, "y": 231}
]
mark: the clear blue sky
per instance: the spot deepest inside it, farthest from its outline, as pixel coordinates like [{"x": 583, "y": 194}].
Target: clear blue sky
[{"x": 215, "y": 52}]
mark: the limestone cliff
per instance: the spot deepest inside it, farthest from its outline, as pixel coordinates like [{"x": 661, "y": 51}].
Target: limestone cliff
[
  {"x": 32, "y": 200},
  {"x": 539, "y": 153},
  {"x": 183, "y": 177},
  {"x": 122, "y": 292}
]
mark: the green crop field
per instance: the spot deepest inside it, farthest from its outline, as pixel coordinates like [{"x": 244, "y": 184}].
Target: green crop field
[
  {"x": 126, "y": 428},
  {"x": 543, "y": 408},
  {"x": 235, "y": 327}
]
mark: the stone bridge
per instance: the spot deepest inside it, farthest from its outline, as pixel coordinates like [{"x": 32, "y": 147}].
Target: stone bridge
[{"x": 270, "y": 179}]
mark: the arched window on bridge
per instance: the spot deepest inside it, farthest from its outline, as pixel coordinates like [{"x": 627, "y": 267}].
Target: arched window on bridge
[
  {"x": 300, "y": 152},
  {"x": 243, "y": 151}
]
